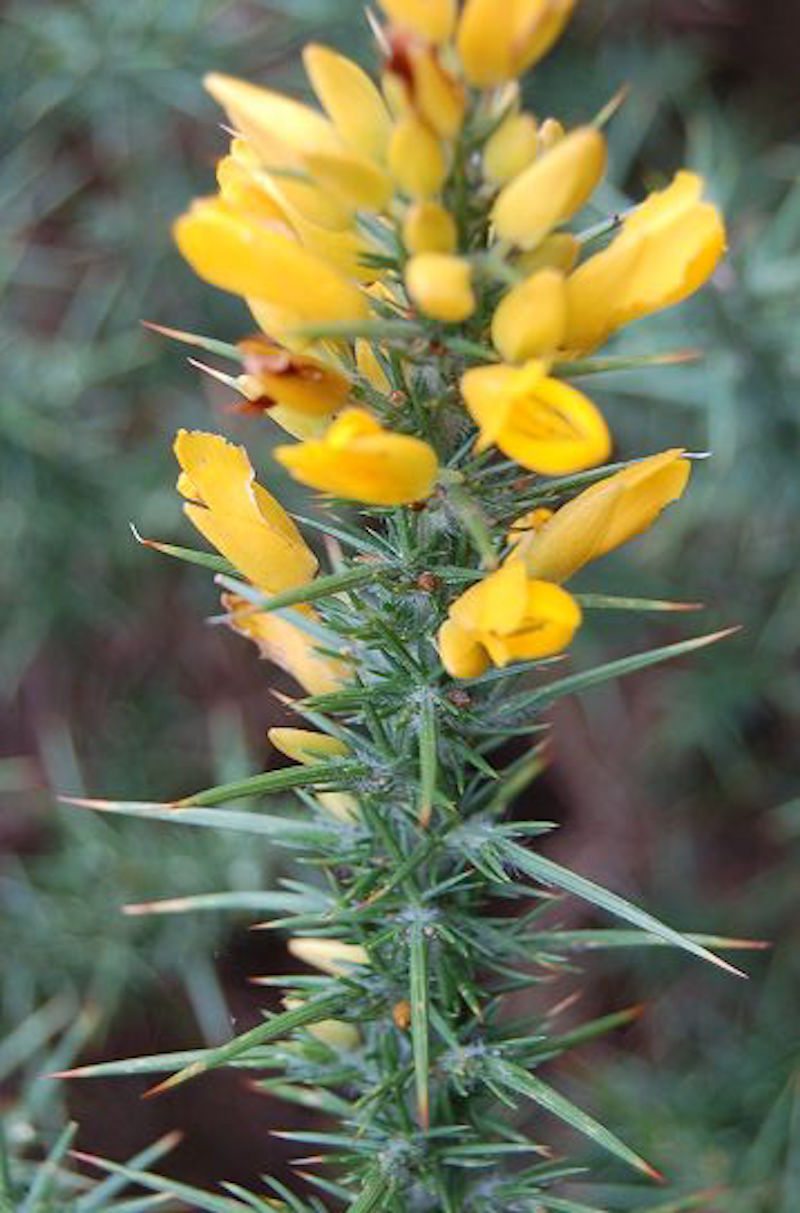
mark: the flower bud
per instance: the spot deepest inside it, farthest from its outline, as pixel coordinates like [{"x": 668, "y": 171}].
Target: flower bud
[
  {"x": 551, "y": 189},
  {"x": 306, "y": 746},
  {"x": 495, "y": 44},
  {"x": 530, "y": 321},
  {"x": 328, "y": 955},
  {"x": 417, "y": 82},
  {"x": 511, "y": 148},
  {"x": 359, "y": 460},
  {"x": 429, "y": 228},
  {"x": 440, "y": 285},
  {"x": 416, "y": 158},
  {"x": 335, "y": 1033}
]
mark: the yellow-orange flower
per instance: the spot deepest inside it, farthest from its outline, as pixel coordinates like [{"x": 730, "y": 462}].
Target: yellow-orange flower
[
  {"x": 542, "y": 423},
  {"x": 496, "y": 44},
  {"x": 602, "y": 517},
  {"x": 552, "y": 189},
  {"x": 359, "y": 460},
  {"x": 508, "y": 616},
  {"x": 239, "y": 517},
  {"x": 666, "y": 250}
]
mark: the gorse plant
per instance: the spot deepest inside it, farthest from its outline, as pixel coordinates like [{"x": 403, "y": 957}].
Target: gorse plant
[{"x": 427, "y": 294}]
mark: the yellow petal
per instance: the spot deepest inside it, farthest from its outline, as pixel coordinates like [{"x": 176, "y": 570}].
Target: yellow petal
[
  {"x": 530, "y": 320},
  {"x": 248, "y": 258},
  {"x": 511, "y": 148},
  {"x": 429, "y": 228},
  {"x": 605, "y": 516},
  {"x": 490, "y": 392},
  {"x": 304, "y": 195},
  {"x": 441, "y": 286},
  {"x": 329, "y": 955},
  {"x": 462, "y": 656},
  {"x": 287, "y": 645},
  {"x": 357, "y": 181},
  {"x": 496, "y": 604},
  {"x": 545, "y": 425},
  {"x": 351, "y": 100},
  {"x": 306, "y": 746},
  {"x": 343, "y": 249},
  {"x": 278, "y": 127},
  {"x": 241, "y": 192},
  {"x": 552, "y": 617},
  {"x": 551, "y": 189},
  {"x": 416, "y": 158},
  {"x": 431, "y": 19},
  {"x": 495, "y": 46},
  {"x": 429, "y": 91},
  {"x": 666, "y": 250},
  {"x": 555, "y": 430},
  {"x": 239, "y": 517},
  {"x": 360, "y": 461}
]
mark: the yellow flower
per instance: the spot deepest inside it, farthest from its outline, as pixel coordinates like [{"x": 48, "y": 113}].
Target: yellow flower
[
  {"x": 440, "y": 284},
  {"x": 237, "y": 253},
  {"x": 511, "y": 148},
  {"x": 603, "y": 517},
  {"x": 351, "y": 100},
  {"x": 507, "y": 617},
  {"x": 433, "y": 20},
  {"x": 666, "y": 250},
  {"x": 531, "y": 319},
  {"x": 429, "y": 228},
  {"x": 551, "y": 189},
  {"x": 416, "y": 158},
  {"x": 329, "y": 955},
  {"x": 542, "y": 423},
  {"x": 287, "y": 646},
  {"x": 298, "y": 382},
  {"x": 359, "y": 460},
  {"x": 305, "y": 745},
  {"x": 239, "y": 517},
  {"x": 496, "y": 44}
]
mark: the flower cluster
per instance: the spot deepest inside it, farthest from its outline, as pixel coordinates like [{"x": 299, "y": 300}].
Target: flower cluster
[
  {"x": 430, "y": 278},
  {"x": 406, "y": 251}
]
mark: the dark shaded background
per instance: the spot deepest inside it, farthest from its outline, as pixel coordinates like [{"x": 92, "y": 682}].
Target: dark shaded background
[{"x": 679, "y": 788}]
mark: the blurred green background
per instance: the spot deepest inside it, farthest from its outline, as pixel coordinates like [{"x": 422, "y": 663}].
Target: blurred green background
[{"x": 680, "y": 787}]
